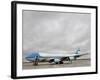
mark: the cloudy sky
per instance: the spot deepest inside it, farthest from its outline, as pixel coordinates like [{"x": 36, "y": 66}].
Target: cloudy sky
[{"x": 48, "y": 31}]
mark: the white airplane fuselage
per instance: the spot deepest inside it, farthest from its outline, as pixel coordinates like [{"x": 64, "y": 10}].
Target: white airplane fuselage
[{"x": 54, "y": 57}]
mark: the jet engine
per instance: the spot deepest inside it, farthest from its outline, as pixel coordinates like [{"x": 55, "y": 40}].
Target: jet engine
[{"x": 55, "y": 61}]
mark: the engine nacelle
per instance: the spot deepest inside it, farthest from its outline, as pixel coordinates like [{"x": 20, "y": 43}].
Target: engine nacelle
[{"x": 55, "y": 61}]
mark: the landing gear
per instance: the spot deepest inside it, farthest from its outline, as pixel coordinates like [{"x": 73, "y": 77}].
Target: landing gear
[
  {"x": 35, "y": 63},
  {"x": 61, "y": 62},
  {"x": 68, "y": 59},
  {"x": 56, "y": 62}
]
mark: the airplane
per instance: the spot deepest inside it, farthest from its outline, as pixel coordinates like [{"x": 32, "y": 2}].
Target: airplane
[{"x": 54, "y": 57}]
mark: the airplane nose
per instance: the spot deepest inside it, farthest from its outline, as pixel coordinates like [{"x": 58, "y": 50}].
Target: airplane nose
[{"x": 33, "y": 57}]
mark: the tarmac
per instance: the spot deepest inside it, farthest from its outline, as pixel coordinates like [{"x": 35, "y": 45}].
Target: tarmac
[{"x": 44, "y": 65}]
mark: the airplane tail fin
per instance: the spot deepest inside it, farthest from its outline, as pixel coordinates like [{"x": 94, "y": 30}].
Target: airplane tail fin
[{"x": 77, "y": 52}]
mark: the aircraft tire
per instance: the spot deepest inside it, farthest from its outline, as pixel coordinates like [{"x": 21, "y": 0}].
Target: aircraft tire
[{"x": 61, "y": 62}]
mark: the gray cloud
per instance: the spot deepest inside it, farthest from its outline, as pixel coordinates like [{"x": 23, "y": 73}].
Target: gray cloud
[{"x": 45, "y": 31}]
